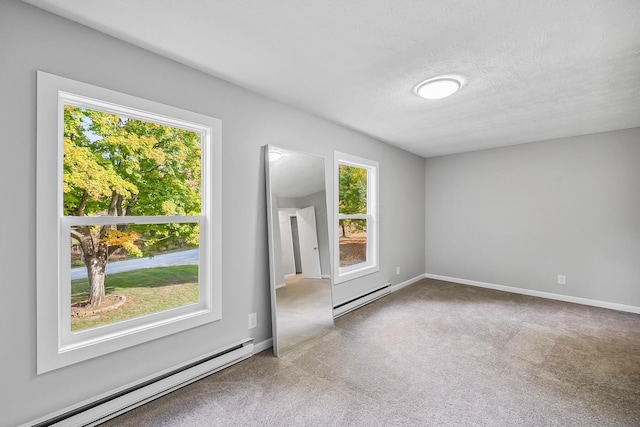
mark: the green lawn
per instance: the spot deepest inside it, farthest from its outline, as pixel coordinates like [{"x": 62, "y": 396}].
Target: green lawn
[{"x": 147, "y": 291}]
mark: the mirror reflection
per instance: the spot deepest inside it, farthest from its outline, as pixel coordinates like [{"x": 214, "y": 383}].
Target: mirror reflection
[{"x": 299, "y": 260}]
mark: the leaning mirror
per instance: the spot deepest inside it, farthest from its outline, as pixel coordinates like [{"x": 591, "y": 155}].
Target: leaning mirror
[{"x": 301, "y": 303}]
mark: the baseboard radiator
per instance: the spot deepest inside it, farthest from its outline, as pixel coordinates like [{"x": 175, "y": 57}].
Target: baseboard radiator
[
  {"x": 117, "y": 402},
  {"x": 361, "y": 300}
]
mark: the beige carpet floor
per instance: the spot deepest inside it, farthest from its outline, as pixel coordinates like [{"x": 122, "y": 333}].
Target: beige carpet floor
[{"x": 431, "y": 354}]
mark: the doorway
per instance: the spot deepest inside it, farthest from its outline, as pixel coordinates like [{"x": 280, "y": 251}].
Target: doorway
[{"x": 296, "y": 244}]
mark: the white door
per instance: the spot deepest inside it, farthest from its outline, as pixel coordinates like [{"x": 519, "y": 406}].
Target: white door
[{"x": 309, "y": 253}]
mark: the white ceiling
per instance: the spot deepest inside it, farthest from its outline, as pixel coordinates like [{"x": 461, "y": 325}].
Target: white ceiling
[{"x": 536, "y": 70}]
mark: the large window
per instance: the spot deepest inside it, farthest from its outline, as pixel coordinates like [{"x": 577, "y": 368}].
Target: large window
[
  {"x": 128, "y": 221},
  {"x": 356, "y": 242}
]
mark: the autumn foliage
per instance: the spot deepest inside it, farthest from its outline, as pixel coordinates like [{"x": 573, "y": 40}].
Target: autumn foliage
[{"x": 122, "y": 167}]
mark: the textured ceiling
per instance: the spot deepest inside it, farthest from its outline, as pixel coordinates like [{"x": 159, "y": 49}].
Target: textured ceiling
[{"x": 536, "y": 70}]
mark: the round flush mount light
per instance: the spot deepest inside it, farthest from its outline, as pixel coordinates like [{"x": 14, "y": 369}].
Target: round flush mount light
[{"x": 440, "y": 87}]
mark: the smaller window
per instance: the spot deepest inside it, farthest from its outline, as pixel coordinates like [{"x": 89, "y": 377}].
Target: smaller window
[{"x": 356, "y": 195}]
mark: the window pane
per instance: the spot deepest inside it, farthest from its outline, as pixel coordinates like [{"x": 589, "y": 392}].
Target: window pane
[
  {"x": 122, "y": 271},
  {"x": 352, "y": 238},
  {"x": 353, "y": 190},
  {"x": 115, "y": 165}
]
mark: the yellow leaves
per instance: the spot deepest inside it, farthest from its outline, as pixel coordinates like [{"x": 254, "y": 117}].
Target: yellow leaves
[
  {"x": 105, "y": 123},
  {"x": 125, "y": 240},
  {"x": 152, "y": 168},
  {"x": 194, "y": 237},
  {"x": 130, "y": 142},
  {"x": 83, "y": 170},
  {"x": 169, "y": 208},
  {"x": 157, "y": 155}
]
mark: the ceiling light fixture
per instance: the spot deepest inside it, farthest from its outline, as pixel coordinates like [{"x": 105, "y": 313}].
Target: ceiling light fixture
[{"x": 440, "y": 87}]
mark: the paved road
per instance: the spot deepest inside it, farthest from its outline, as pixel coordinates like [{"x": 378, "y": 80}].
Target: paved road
[{"x": 164, "y": 260}]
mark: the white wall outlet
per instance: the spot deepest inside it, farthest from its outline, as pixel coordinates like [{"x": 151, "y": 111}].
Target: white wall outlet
[
  {"x": 562, "y": 279},
  {"x": 253, "y": 320},
  {"x": 398, "y": 270}
]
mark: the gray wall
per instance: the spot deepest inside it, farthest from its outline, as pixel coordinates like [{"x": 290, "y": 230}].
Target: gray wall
[
  {"x": 519, "y": 216},
  {"x": 30, "y": 40}
]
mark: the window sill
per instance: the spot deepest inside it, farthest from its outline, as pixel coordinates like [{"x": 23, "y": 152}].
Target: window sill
[{"x": 346, "y": 274}]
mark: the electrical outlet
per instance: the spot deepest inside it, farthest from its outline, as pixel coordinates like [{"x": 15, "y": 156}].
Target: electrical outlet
[
  {"x": 562, "y": 279},
  {"x": 253, "y": 320},
  {"x": 398, "y": 270}
]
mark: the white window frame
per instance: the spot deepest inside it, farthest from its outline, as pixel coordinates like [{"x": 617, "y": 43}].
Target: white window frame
[
  {"x": 57, "y": 346},
  {"x": 344, "y": 274}
]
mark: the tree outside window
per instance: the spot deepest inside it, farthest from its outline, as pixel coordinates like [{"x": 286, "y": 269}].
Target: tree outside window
[
  {"x": 356, "y": 193},
  {"x": 128, "y": 221},
  {"x": 116, "y": 166},
  {"x": 352, "y": 209}
]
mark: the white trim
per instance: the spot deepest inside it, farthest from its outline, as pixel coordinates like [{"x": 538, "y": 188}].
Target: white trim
[
  {"x": 344, "y": 274},
  {"x": 56, "y": 345},
  {"x": 138, "y": 397},
  {"x": 262, "y": 346},
  {"x": 401, "y": 285},
  {"x": 541, "y": 294},
  {"x": 70, "y": 221}
]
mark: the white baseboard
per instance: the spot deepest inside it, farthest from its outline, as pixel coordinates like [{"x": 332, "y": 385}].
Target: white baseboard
[
  {"x": 262, "y": 346},
  {"x": 401, "y": 285},
  {"x": 115, "y": 402},
  {"x": 541, "y": 294}
]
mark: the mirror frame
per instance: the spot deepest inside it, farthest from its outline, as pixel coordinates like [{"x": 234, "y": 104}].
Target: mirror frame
[{"x": 277, "y": 351}]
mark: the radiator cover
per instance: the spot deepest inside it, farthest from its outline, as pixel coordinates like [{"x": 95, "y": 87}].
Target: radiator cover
[{"x": 116, "y": 402}]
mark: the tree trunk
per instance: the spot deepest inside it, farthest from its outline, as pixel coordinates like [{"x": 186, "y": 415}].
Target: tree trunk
[
  {"x": 95, "y": 255},
  {"x": 96, "y": 272}
]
